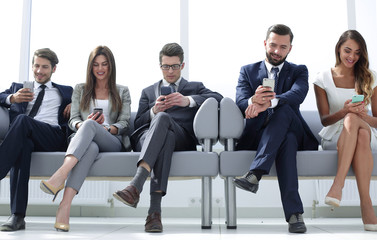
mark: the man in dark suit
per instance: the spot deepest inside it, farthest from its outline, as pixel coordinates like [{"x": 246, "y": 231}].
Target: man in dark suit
[
  {"x": 164, "y": 124},
  {"x": 32, "y": 128},
  {"x": 274, "y": 125}
]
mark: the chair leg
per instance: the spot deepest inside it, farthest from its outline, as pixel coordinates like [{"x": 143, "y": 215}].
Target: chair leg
[
  {"x": 206, "y": 202},
  {"x": 230, "y": 203}
]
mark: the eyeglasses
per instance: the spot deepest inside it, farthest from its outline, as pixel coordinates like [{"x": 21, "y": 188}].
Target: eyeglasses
[{"x": 174, "y": 67}]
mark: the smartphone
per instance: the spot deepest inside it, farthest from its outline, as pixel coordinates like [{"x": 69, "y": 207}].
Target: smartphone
[
  {"x": 269, "y": 82},
  {"x": 96, "y": 110},
  {"x": 166, "y": 90},
  {"x": 357, "y": 98},
  {"x": 30, "y": 85}
]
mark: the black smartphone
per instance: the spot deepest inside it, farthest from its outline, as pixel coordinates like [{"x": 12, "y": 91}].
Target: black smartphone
[
  {"x": 166, "y": 90},
  {"x": 96, "y": 110}
]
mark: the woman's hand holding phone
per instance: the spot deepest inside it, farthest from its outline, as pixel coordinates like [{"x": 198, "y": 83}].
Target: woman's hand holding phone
[
  {"x": 97, "y": 115},
  {"x": 356, "y": 105}
]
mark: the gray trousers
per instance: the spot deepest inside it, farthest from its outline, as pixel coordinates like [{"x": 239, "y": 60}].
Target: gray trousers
[
  {"x": 157, "y": 145},
  {"x": 90, "y": 139}
]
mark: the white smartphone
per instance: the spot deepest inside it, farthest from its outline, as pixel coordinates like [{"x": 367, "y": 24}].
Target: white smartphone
[
  {"x": 30, "y": 85},
  {"x": 269, "y": 82}
]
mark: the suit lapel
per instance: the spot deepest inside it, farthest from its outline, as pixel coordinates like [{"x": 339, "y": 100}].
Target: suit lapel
[
  {"x": 182, "y": 84},
  {"x": 282, "y": 80},
  {"x": 262, "y": 73},
  {"x": 156, "y": 88}
]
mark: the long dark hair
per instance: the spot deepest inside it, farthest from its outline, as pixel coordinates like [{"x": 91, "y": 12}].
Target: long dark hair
[{"x": 89, "y": 89}]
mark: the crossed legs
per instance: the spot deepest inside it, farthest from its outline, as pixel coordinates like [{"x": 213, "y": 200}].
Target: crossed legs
[
  {"x": 83, "y": 150},
  {"x": 354, "y": 149}
]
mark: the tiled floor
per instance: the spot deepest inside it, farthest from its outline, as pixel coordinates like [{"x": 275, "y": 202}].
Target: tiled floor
[{"x": 190, "y": 229}]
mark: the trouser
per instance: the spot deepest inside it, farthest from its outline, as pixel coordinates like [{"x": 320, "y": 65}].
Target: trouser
[
  {"x": 24, "y": 136},
  {"x": 90, "y": 139}
]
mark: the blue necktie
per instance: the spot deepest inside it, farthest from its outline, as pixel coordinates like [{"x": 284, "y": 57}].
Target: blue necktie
[{"x": 274, "y": 72}]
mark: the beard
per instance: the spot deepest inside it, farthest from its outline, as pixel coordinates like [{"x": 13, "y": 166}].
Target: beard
[{"x": 273, "y": 61}]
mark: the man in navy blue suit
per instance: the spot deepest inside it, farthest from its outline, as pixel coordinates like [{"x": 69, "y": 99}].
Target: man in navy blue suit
[
  {"x": 274, "y": 125},
  {"x": 38, "y": 117}
]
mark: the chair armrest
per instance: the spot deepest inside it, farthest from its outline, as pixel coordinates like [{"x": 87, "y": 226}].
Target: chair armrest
[
  {"x": 4, "y": 122},
  {"x": 231, "y": 120},
  {"x": 206, "y": 121}
]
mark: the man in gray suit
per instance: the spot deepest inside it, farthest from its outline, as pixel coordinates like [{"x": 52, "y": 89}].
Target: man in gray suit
[{"x": 164, "y": 123}]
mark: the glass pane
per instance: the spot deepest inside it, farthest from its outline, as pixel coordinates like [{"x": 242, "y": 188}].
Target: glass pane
[
  {"x": 135, "y": 31},
  {"x": 225, "y": 35},
  {"x": 10, "y": 41}
]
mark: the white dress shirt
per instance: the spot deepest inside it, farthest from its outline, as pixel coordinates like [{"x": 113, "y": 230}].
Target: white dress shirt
[{"x": 48, "y": 112}]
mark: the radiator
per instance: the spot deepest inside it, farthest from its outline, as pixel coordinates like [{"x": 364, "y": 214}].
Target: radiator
[
  {"x": 350, "y": 194},
  {"x": 91, "y": 193}
]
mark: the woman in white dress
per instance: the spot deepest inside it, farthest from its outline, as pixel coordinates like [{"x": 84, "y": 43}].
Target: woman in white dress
[{"x": 347, "y": 125}]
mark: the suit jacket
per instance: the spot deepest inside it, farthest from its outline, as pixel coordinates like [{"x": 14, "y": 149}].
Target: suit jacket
[
  {"x": 121, "y": 120},
  {"x": 20, "y": 108},
  {"x": 184, "y": 116},
  {"x": 291, "y": 89}
]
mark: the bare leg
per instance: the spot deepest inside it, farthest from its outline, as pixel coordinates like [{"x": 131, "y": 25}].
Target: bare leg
[
  {"x": 346, "y": 151},
  {"x": 363, "y": 166},
  {"x": 145, "y": 165},
  {"x": 62, "y": 215},
  {"x": 61, "y": 174}
]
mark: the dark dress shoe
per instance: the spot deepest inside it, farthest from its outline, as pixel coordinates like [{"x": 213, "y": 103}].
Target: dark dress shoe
[
  {"x": 153, "y": 223},
  {"x": 248, "y": 182},
  {"x": 296, "y": 224},
  {"x": 129, "y": 196},
  {"x": 14, "y": 223}
]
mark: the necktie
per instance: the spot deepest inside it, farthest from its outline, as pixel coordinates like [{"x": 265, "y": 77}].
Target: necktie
[
  {"x": 172, "y": 86},
  {"x": 38, "y": 102},
  {"x": 274, "y": 72}
]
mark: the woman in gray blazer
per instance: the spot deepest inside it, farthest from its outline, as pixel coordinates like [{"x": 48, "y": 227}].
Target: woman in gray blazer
[{"x": 100, "y": 114}]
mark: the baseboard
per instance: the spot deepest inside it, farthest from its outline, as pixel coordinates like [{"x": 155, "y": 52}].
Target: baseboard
[{"x": 186, "y": 212}]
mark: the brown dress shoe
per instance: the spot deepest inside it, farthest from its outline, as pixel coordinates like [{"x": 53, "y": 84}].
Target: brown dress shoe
[
  {"x": 129, "y": 196},
  {"x": 153, "y": 223}
]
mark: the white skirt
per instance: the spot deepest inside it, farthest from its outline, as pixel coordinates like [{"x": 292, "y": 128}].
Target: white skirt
[{"x": 332, "y": 143}]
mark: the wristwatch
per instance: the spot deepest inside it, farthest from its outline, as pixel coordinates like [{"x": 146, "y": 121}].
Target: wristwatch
[{"x": 108, "y": 128}]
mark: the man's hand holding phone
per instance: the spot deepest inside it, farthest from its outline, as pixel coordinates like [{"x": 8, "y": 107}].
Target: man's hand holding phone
[
  {"x": 22, "y": 95},
  {"x": 260, "y": 101},
  {"x": 263, "y": 95}
]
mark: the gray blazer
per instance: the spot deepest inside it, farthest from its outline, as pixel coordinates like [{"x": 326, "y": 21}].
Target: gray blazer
[{"x": 121, "y": 120}]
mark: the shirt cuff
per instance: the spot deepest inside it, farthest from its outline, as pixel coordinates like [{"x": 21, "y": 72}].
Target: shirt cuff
[
  {"x": 7, "y": 101},
  {"x": 274, "y": 102},
  {"x": 250, "y": 101},
  {"x": 151, "y": 113},
  {"x": 192, "y": 102}
]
